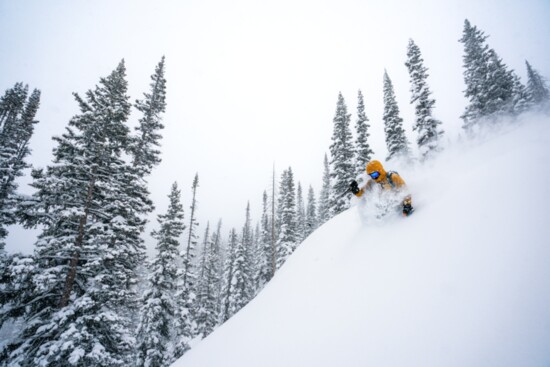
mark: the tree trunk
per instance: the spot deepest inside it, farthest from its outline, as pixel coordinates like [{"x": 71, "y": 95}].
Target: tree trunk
[{"x": 74, "y": 260}]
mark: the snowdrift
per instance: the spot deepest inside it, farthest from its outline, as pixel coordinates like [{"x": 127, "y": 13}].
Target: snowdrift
[{"x": 465, "y": 281}]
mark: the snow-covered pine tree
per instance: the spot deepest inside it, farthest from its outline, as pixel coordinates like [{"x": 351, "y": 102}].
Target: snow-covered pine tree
[
  {"x": 241, "y": 283},
  {"x": 342, "y": 158},
  {"x": 186, "y": 294},
  {"x": 213, "y": 272},
  {"x": 287, "y": 240},
  {"x": 16, "y": 289},
  {"x": 475, "y": 62},
  {"x": 205, "y": 245},
  {"x": 300, "y": 215},
  {"x": 265, "y": 251},
  {"x": 396, "y": 140},
  {"x": 325, "y": 195},
  {"x": 188, "y": 256},
  {"x": 363, "y": 150},
  {"x": 226, "y": 295},
  {"x": 257, "y": 255},
  {"x": 220, "y": 280},
  {"x": 274, "y": 225},
  {"x": 501, "y": 86},
  {"x": 90, "y": 203},
  {"x": 17, "y": 113},
  {"x": 521, "y": 100},
  {"x": 156, "y": 334},
  {"x": 311, "y": 212},
  {"x": 427, "y": 127},
  {"x": 537, "y": 89},
  {"x": 145, "y": 152},
  {"x": 248, "y": 245},
  {"x": 490, "y": 87},
  {"x": 202, "y": 282}
]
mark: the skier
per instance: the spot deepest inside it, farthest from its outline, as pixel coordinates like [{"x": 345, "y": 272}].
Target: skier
[{"x": 388, "y": 181}]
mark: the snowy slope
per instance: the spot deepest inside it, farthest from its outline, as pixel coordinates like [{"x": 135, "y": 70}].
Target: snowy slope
[{"x": 463, "y": 282}]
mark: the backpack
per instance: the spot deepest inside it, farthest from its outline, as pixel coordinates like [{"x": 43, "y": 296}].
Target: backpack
[{"x": 388, "y": 176}]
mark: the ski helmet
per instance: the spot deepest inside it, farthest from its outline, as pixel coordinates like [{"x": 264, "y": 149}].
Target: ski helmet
[{"x": 376, "y": 166}]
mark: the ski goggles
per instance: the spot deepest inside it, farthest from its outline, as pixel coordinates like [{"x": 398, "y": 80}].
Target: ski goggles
[{"x": 374, "y": 175}]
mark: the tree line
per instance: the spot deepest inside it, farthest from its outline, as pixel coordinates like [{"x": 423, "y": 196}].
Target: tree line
[{"x": 88, "y": 295}]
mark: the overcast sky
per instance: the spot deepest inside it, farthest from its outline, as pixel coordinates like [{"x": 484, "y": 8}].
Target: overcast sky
[{"x": 252, "y": 83}]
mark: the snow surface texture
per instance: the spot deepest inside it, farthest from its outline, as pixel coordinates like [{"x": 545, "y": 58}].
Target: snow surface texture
[{"x": 465, "y": 281}]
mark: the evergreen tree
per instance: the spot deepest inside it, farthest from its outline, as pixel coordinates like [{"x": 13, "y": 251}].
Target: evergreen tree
[
  {"x": 300, "y": 215},
  {"x": 287, "y": 240},
  {"x": 427, "y": 127},
  {"x": 396, "y": 140},
  {"x": 249, "y": 241},
  {"x": 240, "y": 285},
  {"x": 311, "y": 213},
  {"x": 145, "y": 153},
  {"x": 17, "y": 291},
  {"x": 274, "y": 227},
  {"x": 91, "y": 204},
  {"x": 475, "y": 73},
  {"x": 205, "y": 245},
  {"x": 342, "y": 158},
  {"x": 265, "y": 251},
  {"x": 362, "y": 147},
  {"x": 16, "y": 288},
  {"x": 501, "y": 86},
  {"x": 189, "y": 255},
  {"x": 155, "y": 332},
  {"x": 17, "y": 113},
  {"x": 257, "y": 255},
  {"x": 186, "y": 294},
  {"x": 521, "y": 100},
  {"x": 325, "y": 195},
  {"x": 213, "y": 274},
  {"x": 221, "y": 281},
  {"x": 537, "y": 89},
  {"x": 203, "y": 284},
  {"x": 228, "y": 275},
  {"x": 490, "y": 87}
]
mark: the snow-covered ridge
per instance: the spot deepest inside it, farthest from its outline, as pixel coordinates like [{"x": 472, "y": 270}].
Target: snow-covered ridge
[{"x": 465, "y": 281}]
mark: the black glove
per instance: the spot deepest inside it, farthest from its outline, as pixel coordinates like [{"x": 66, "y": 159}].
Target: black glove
[
  {"x": 407, "y": 207},
  {"x": 354, "y": 187}
]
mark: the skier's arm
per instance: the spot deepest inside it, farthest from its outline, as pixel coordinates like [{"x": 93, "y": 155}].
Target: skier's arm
[
  {"x": 360, "y": 191},
  {"x": 407, "y": 201}
]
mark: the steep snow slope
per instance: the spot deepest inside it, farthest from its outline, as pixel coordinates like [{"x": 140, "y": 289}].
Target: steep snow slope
[{"x": 465, "y": 281}]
